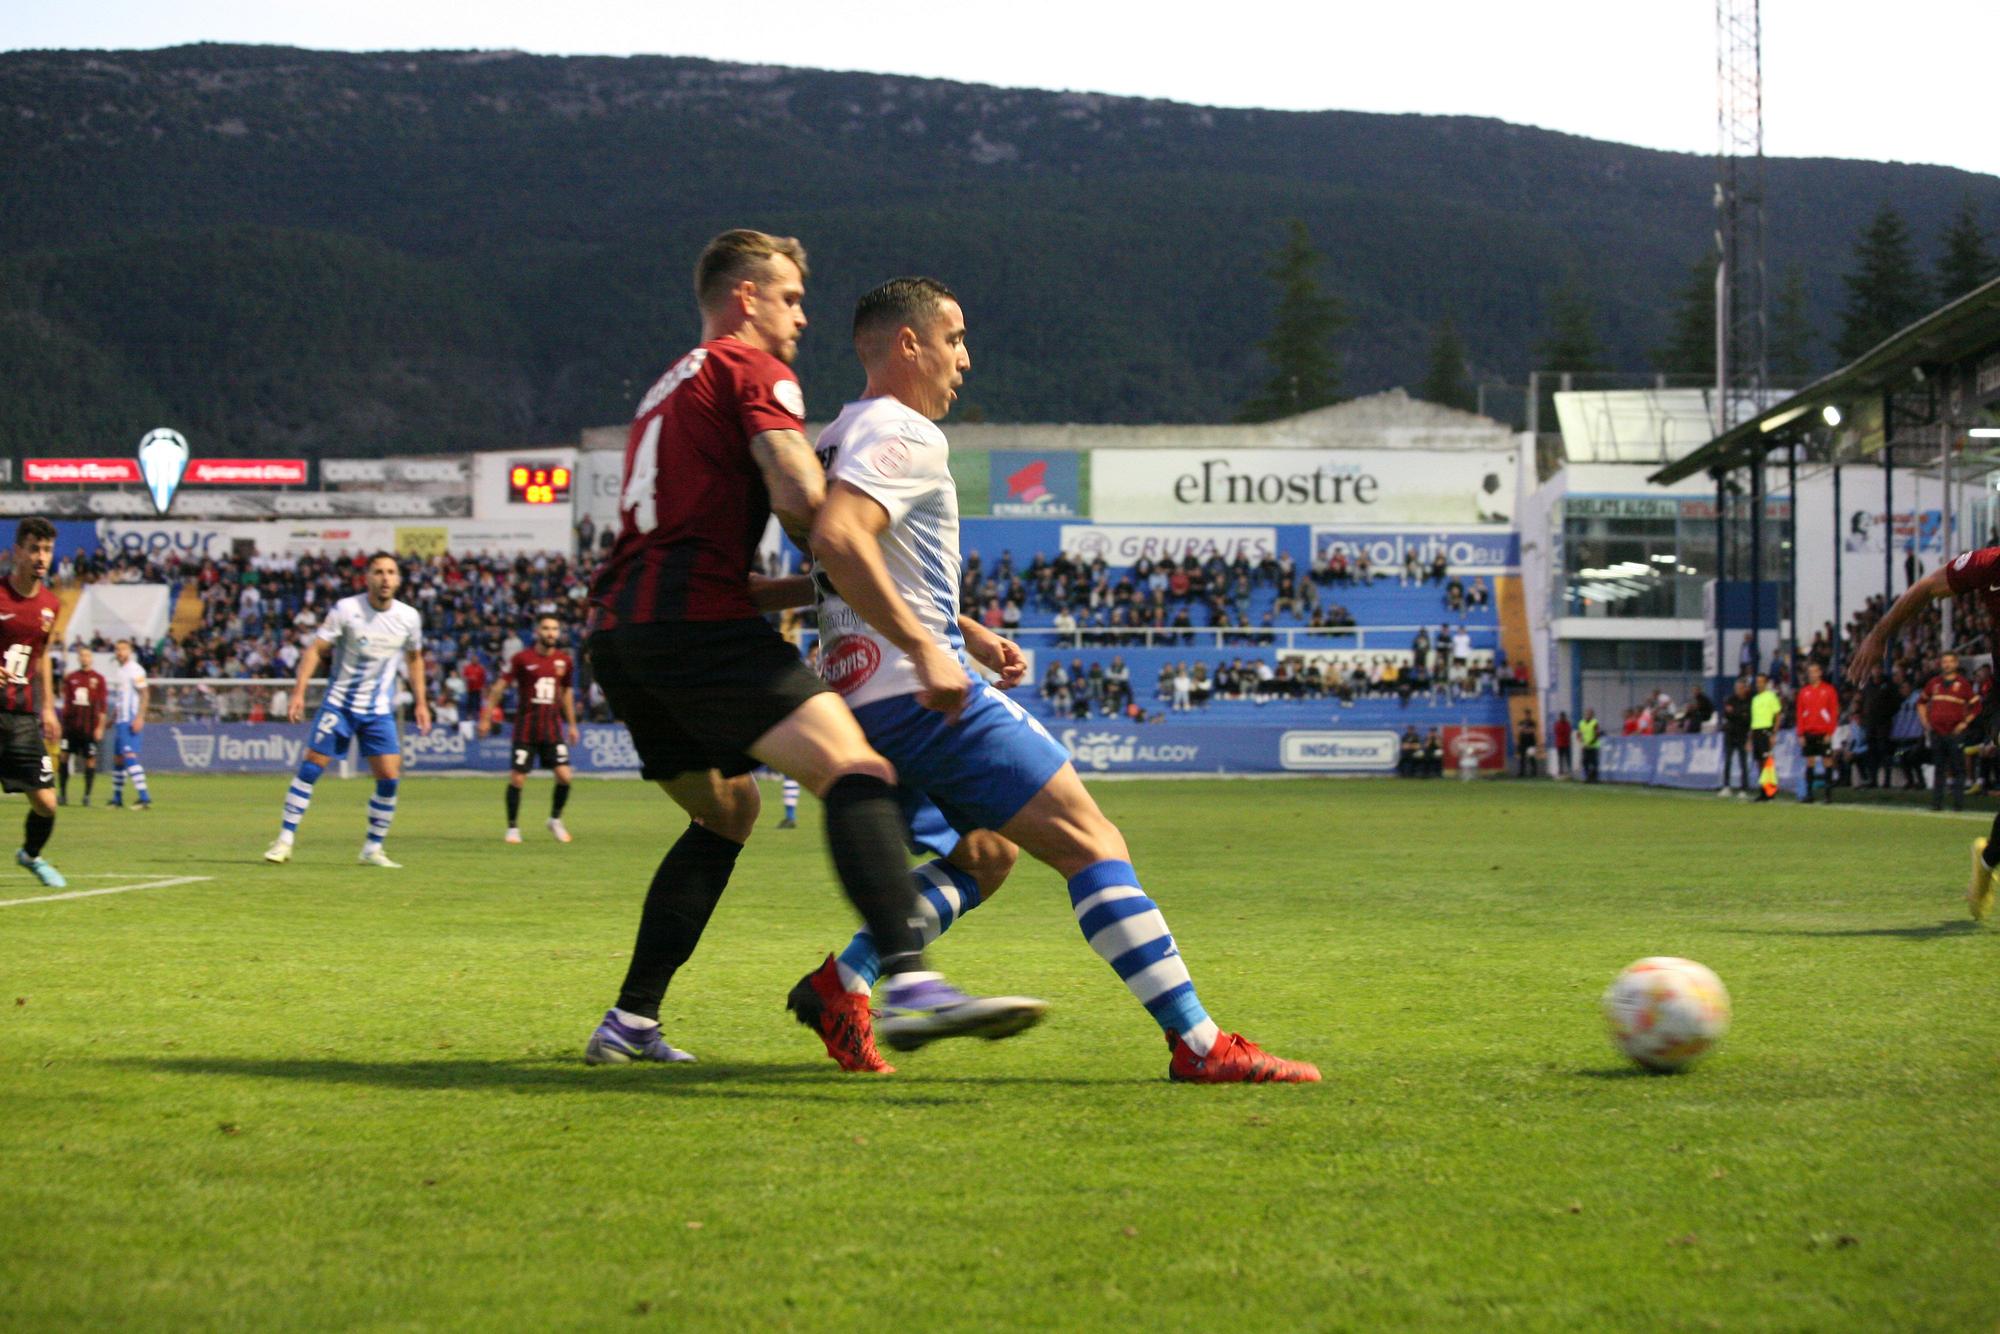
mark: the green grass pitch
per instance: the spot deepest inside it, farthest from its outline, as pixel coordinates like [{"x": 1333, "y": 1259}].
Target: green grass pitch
[{"x": 323, "y": 1096}]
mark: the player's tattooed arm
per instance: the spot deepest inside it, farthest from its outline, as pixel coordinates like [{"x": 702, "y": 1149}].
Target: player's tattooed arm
[
  {"x": 1933, "y": 587},
  {"x": 419, "y": 687},
  {"x": 566, "y": 698},
  {"x": 308, "y": 664},
  {"x": 847, "y": 543},
  {"x": 490, "y": 703},
  {"x": 782, "y": 592},
  {"x": 51, "y": 725},
  {"x": 995, "y": 653},
  {"x": 794, "y": 479}
]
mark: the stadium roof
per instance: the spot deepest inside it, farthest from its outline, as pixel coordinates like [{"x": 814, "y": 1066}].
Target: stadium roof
[{"x": 1953, "y": 333}]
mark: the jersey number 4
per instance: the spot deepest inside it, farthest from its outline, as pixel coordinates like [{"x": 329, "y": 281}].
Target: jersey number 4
[{"x": 640, "y": 498}]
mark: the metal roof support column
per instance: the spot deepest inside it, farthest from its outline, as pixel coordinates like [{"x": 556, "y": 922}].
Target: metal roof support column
[
  {"x": 1792, "y": 562},
  {"x": 1722, "y": 671},
  {"x": 1839, "y": 541},
  {"x": 1888, "y": 511},
  {"x": 1757, "y": 558}
]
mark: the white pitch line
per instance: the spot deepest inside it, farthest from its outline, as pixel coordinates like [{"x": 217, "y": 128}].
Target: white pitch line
[{"x": 109, "y": 889}]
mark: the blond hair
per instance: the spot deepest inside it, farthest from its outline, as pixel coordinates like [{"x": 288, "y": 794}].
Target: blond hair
[{"x": 739, "y": 254}]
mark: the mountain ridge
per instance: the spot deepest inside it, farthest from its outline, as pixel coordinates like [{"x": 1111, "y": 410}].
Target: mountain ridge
[{"x": 538, "y": 215}]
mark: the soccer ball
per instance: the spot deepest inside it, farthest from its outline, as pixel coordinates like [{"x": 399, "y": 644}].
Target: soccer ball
[{"x": 1666, "y": 1013}]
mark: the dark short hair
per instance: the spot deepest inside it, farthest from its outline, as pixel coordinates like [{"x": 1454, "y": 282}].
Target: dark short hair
[
  {"x": 389, "y": 556},
  {"x": 548, "y": 616},
  {"x": 735, "y": 255},
  {"x": 900, "y": 302},
  {"x": 34, "y": 529}
]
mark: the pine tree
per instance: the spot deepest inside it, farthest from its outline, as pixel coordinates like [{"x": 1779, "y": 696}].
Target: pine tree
[
  {"x": 1690, "y": 345},
  {"x": 1885, "y": 289},
  {"x": 1572, "y": 343},
  {"x": 1305, "y": 367},
  {"x": 1967, "y": 262},
  {"x": 1445, "y": 382},
  {"x": 1790, "y": 349}
]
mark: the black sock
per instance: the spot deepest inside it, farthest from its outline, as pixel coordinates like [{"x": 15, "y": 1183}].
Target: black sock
[
  {"x": 1992, "y": 853},
  {"x": 684, "y": 891},
  {"x": 560, "y": 800},
  {"x": 62, "y": 780},
  {"x": 36, "y": 837},
  {"x": 89, "y": 782},
  {"x": 513, "y": 806},
  {"x": 864, "y": 827}
]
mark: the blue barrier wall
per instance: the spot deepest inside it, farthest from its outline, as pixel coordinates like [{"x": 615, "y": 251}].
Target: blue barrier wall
[
  {"x": 1692, "y": 760},
  {"x": 243, "y": 748},
  {"x": 1098, "y": 748}
]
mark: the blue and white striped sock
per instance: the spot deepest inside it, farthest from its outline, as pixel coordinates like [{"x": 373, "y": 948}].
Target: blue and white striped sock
[
  {"x": 299, "y": 796},
  {"x": 117, "y": 783},
  {"x": 139, "y": 780},
  {"x": 1128, "y": 932},
  {"x": 944, "y": 894},
  {"x": 381, "y": 810},
  {"x": 791, "y": 799}
]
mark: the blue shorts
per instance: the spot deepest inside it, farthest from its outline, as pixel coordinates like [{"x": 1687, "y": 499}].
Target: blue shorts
[
  {"x": 929, "y": 830},
  {"x": 124, "y": 742},
  {"x": 334, "y": 726},
  {"x": 975, "y": 774}
]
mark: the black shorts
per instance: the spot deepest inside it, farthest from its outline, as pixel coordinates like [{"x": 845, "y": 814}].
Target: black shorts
[
  {"x": 24, "y": 760},
  {"x": 1760, "y": 743},
  {"x": 81, "y": 743},
  {"x": 548, "y": 754},
  {"x": 1815, "y": 743},
  {"x": 697, "y": 694}
]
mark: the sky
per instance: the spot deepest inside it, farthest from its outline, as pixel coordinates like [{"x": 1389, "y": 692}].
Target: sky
[{"x": 1840, "y": 79}]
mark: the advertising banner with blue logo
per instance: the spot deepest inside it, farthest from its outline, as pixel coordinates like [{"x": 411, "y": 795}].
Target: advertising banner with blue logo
[
  {"x": 1463, "y": 548},
  {"x": 239, "y": 748},
  {"x": 1035, "y": 486},
  {"x": 1691, "y": 760},
  {"x": 1164, "y": 748},
  {"x": 1098, "y": 748}
]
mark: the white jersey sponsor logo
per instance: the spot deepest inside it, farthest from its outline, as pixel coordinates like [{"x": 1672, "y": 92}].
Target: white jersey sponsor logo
[
  {"x": 368, "y": 646},
  {"x": 901, "y": 460}
]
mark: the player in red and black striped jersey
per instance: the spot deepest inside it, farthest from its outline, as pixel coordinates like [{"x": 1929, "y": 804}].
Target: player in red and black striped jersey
[
  {"x": 83, "y": 720},
  {"x": 28, "y": 608},
  {"x": 707, "y": 687},
  {"x": 544, "y": 720},
  {"x": 1974, "y": 574}
]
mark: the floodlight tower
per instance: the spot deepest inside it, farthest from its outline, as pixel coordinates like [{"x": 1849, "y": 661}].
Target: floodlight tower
[{"x": 1740, "y": 368}]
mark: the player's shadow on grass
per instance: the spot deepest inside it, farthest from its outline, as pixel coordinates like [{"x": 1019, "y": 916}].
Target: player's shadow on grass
[
  {"x": 803, "y": 1081},
  {"x": 807, "y": 1080},
  {"x": 1950, "y": 926}
]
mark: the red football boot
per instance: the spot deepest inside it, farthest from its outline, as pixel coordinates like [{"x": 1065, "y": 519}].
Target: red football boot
[
  {"x": 840, "y": 1017},
  {"x": 1234, "y": 1059}
]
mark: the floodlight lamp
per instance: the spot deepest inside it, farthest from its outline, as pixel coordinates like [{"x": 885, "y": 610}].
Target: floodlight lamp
[{"x": 1830, "y": 415}]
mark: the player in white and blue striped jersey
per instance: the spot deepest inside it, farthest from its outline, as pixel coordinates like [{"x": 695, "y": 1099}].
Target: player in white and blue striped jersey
[
  {"x": 129, "y": 692},
  {"x": 372, "y": 635},
  {"x": 895, "y": 645}
]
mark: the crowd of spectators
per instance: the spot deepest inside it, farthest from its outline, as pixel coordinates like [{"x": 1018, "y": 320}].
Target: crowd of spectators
[
  {"x": 1881, "y": 740},
  {"x": 258, "y": 612},
  {"x": 1074, "y": 690},
  {"x": 1092, "y": 603}
]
